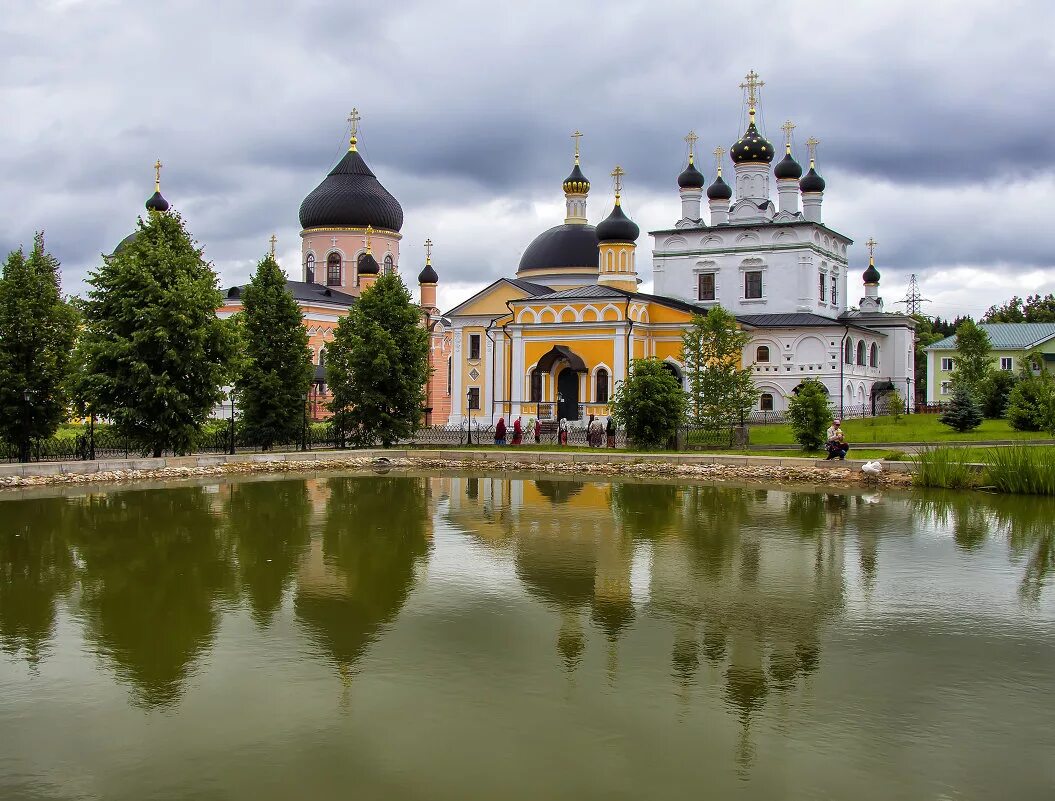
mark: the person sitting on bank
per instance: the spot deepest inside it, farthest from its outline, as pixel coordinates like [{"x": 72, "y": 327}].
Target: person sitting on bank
[
  {"x": 837, "y": 444},
  {"x": 500, "y": 432}
]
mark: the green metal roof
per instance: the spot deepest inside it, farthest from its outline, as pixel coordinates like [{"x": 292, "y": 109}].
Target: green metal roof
[{"x": 1006, "y": 336}]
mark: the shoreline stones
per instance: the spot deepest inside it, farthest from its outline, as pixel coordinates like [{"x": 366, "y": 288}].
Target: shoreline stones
[{"x": 644, "y": 468}]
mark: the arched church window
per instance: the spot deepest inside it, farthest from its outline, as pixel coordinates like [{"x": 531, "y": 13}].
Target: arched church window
[
  {"x": 762, "y": 353},
  {"x": 309, "y": 268},
  {"x": 873, "y": 355},
  {"x": 322, "y": 356},
  {"x": 765, "y": 402},
  {"x": 848, "y": 356},
  {"x": 861, "y": 352},
  {"x": 536, "y": 386},
  {"x": 333, "y": 269},
  {"x": 602, "y": 386},
  {"x": 389, "y": 265}
]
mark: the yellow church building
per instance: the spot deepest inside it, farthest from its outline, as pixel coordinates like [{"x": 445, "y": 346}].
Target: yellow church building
[{"x": 554, "y": 341}]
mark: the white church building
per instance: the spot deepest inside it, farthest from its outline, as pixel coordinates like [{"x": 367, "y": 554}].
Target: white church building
[{"x": 786, "y": 277}]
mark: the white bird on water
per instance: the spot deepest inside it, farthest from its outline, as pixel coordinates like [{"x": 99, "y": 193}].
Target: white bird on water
[{"x": 872, "y": 468}]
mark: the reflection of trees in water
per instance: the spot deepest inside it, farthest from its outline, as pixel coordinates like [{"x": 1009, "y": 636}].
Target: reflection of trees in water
[
  {"x": 646, "y": 511},
  {"x": 154, "y": 573},
  {"x": 558, "y": 491},
  {"x": 374, "y": 535},
  {"x": 36, "y": 569},
  {"x": 269, "y": 522}
]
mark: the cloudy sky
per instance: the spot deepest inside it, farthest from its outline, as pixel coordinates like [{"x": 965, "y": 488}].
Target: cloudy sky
[{"x": 935, "y": 121}]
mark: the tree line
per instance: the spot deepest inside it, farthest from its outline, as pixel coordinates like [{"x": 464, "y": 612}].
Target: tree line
[{"x": 145, "y": 350}]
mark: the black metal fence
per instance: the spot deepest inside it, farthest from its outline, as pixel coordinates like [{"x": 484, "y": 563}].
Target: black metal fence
[{"x": 545, "y": 432}]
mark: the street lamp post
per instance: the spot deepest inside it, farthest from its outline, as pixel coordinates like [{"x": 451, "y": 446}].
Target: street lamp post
[{"x": 469, "y": 408}]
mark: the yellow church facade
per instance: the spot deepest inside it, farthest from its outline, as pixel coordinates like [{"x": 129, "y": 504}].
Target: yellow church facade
[{"x": 554, "y": 341}]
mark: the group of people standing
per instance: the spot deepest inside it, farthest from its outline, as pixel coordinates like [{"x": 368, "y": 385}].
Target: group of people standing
[{"x": 598, "y": 432}]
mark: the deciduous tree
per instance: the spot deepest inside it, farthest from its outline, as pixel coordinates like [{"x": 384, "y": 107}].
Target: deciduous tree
[
  {"x": 650, "y": 404},
  {"x": 973, "y": 362},
  {"x": 809, "y": 415},
  {"x": 720, "y": 386}
]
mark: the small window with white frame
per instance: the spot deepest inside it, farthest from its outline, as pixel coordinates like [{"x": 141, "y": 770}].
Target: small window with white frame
[
  {"x": 474, "y": 346},
  {"x": 706, "y": 286},
  {"x": 765, "y": 402},
  {"x": 946, "y": 387},
  {"x": 947, "y": 364},
  {"x": 1007, "y": 363},
  {"x": 753, "y": 285},
  {"x": 822, "y": 288}
]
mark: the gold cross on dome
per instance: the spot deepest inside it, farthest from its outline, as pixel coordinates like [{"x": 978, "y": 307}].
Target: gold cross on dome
[
  {"x": 871, "y": 245},
  {"x": 812, "y": 143},
  {"x": 752, "y": 84},
  {"x": 428, "y": 251},
  {"x": 718, "y": 153},
  {"x": 618, "y": 174},
  {"x": 353, "y": 120},
  {"x": 369, "y": 233},
  {"x": 788, "y": 127},
  {"x": 692, "y": 138},
  {"x": 577, "y": 136},
  {"x": 273, "y": 240},
  {"x": 157, "y": 175}
]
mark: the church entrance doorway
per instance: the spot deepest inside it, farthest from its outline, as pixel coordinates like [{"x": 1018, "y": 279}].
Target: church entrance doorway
[{"x": 568, "y": 394}]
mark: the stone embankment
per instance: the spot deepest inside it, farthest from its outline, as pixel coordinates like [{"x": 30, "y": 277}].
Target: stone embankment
[{"x": 601, "y": 463}]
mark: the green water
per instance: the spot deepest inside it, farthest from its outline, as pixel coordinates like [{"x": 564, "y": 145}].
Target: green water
[{"x": 393, "y": 637}]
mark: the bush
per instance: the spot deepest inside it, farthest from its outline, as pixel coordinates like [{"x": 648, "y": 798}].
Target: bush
[
  {"x": 963, "y": 413},
  {"x": 1031, "y": 404},
  {"x": 650, "y": 404},
  {"x": 994, "y": 393},
  {"x": 944, "y": 467},
  {"x": 809, "y": 415},
  {"x": 1023, "y": 470}
]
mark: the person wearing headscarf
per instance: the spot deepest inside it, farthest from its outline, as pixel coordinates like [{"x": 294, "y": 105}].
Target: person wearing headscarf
[
  {"x": 563, "y": 428},
  {"x": 610, "y": 430},
  {"x": 500, "y": 432},
  {"x": 518, "y": 432}
]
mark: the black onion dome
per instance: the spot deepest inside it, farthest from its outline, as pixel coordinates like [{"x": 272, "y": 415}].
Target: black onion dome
[
  {"x": 576, "y": 183},
  {"x": 752, "y": 147},
  {"x": 428, "y": 275},
  {"x": 787, "y": 167},
  {"x": 719, "y": 190},
  {"x": 690, "y": 178},
  {"x": 811, "y": 182},
  {"x": 871, "y": 275},
  {"x": 562, "y": 246},
  {"x": 128, "y": 240},
  {"x": 351, "y": 196},
  {"x": 157, "y": 203},
  {"x": 617, "y": 227},
  {"x": 368, "y": 265}
]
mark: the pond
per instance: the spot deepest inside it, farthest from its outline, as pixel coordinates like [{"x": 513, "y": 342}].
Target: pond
[{"x": 531, "y": 637}]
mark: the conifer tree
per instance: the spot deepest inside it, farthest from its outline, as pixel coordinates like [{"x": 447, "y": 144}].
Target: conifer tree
[
  {"x": 37, "y": 333},
  {"x": 377, "y": 366},
  {"x": 809, "y": 415},
  {"x": 964, "y": 413},
  {"x": 720, "y": 387},
  {"x": 154, "y": 353},
  {"x": 276, "y": 371}
]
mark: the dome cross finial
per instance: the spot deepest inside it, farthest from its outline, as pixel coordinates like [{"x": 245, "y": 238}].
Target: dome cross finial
[
  {"x": 692, "y": 138},
  {"x": 871, "y": 245},
  {"x": 273, "y": 240},
  {"x": 577, "y": 135},
  {"x": 618, "y": 174},
  {"x": 811, "y": 144},
  {"x": 157, "y": 175},
  {"x": 369, "y": 233},
  {"x": 787, "y": 127},
  {"x": 428, "y": 251},
  {"x": 353, "y": 120},
  {"x": 752, "y": 84},
  {"x": 718, "y": 153}
]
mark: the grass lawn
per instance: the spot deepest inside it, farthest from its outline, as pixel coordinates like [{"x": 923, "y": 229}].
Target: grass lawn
[{"x": 911, "y": 428}]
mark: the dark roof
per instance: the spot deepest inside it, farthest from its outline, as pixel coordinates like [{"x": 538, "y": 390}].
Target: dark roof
[
  {"x": 811, "y": 182},
  {"x": 690, "y": 178},
  {"x": 562, "y": 246},
  {"x": 157, "y": 203},
  {"x": 719, "y": 190},
  {"x": 351, "y": 196},
  {"x": 871, "y": 275},
  {"x": 795, "y": 320},
  {"x": 787, "y": 167},
  {"x": 530, "y": 287},
  {"x": 320, "y": 374},
  {"x": 752, "y": 147},
  {"x": 312, "y": 293},
  {"x": 558, "y": 352},
  {"x": 428, "y": 275},
  {"x": 600, "y": 291},
  {"x": 617, "y": 227},
  {"x": 368, "y": 265},
  {"x": 128, "y": 240},
  {"x": 576, "y": 182}
]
